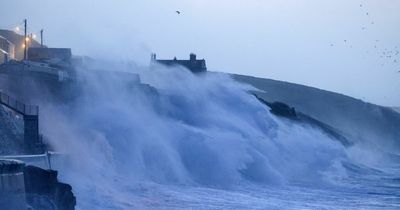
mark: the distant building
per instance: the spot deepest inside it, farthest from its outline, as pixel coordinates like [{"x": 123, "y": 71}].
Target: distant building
[
  {"x": 18, "y": 41},
  {"x": 58, "y": 57},
  {"x": 3, "y": 56},
  {"x": 194, "y": 65},
  {"x": 7, "y": 50}
]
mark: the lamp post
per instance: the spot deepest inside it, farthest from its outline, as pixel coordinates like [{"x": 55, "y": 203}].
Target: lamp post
[
  {"x": 41, "y": 38},
  {"x": 25, "y": 39}
]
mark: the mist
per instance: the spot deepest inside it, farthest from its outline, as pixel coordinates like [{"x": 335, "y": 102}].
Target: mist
[
  {"x": 203, "y": 131},
  {"x": 296, "y": 41}
]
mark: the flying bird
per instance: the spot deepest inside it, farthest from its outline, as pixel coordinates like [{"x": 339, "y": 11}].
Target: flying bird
[{"x": 178, "y": 12}]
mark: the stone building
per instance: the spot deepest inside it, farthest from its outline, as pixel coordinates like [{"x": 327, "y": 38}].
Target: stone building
[{"x": 194, "y": 65}]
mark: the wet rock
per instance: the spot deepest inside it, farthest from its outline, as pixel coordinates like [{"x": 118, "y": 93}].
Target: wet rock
[{"x": 44, "y": 191}]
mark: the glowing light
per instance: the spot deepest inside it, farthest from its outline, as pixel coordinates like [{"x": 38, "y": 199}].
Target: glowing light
[
  {"x": 34, "y": 36},
  {"x": 27, "y": 39},
  {"x": 17, "y": 29},
  {"x": 23, "y": 45}
]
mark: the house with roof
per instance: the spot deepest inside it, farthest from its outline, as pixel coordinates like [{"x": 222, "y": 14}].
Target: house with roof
[{"x": 193, "y": 64}]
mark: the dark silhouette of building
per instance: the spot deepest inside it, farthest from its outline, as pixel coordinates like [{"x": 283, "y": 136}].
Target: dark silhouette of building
[
  {"x": 194, "y": 65},
  {"x": 60, "y": 57}
]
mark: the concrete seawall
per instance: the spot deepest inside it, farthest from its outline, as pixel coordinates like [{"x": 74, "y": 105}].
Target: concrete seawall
[
  {"x": 29, "y": 187},
  {"x": 12, "y": 186}
]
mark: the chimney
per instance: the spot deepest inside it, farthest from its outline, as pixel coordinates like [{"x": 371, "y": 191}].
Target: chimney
[
  {"x": 192, "y": 57},
  {"x": 153, "y": 56}
]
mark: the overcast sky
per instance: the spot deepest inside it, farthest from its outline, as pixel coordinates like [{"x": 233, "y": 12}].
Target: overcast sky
[{"x": 346, "y": 46}]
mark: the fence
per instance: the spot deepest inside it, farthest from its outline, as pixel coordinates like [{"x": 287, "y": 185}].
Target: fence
[{"x": 17, "y": 106}]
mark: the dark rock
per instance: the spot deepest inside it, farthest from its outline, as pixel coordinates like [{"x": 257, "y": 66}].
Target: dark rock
[
  {"x": 357, "y": 120},
  {"x": 284, "y": 110},
  {"x": 45, "y": 191},
  {"x": 279, "y": 108}
]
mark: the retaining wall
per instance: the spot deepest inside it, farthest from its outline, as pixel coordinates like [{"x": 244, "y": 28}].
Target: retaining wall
[{"x": 12, "y": 185}]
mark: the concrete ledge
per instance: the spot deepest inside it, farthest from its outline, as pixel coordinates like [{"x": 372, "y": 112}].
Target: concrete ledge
[
  {"x": 11, "y": 166},
  {"x": 12, "y": 185}
]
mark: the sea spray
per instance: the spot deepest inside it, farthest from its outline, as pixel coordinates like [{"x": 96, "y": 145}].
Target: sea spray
[{"x": 180, "y": 129}]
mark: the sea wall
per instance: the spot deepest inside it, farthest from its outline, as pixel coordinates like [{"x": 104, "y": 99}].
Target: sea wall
[
  {"x": 12, "y": 185},
  {"x": 29, "y": 187}
]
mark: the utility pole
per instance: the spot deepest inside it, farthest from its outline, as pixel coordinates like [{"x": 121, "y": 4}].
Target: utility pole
[
  {"x": 25, "y": 37},
  {"x": 41, "y": 38}
]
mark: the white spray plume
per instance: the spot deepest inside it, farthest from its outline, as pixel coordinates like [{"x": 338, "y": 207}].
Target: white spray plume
[{"x": 197, "y": 130}]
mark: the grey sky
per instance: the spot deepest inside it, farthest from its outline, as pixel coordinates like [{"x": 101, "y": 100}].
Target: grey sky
[{"x": 301, "y": 41}]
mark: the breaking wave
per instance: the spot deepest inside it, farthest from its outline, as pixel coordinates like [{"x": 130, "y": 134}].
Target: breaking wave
[{"x": 179, "y": 130}]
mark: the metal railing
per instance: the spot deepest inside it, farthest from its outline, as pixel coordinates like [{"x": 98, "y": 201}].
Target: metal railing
[
  {"x": 17, "y": 106},
  {"x": 48, "y": 160}
]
